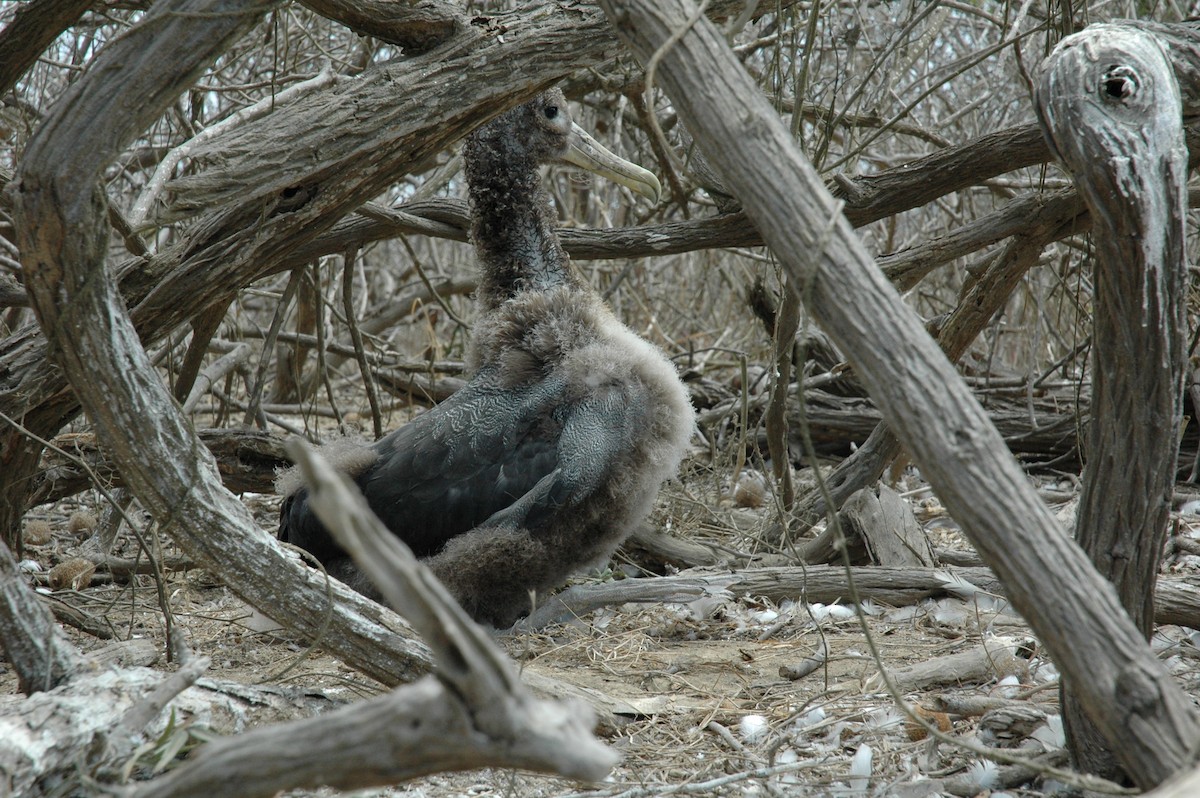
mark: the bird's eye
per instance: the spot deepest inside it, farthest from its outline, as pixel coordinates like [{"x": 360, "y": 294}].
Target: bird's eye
[{"x": 551, "y": 111}]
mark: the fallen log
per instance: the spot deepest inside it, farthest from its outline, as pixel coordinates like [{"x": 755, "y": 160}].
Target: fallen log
[{"x": 1177, "y": 600}]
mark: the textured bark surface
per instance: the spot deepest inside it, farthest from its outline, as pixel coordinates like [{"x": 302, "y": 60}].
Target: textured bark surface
[
  {"x": 473, "y": 713},
  {"x": 1050, "y": 580},
  {"x": 1177, "y": 601},
  {"x": 415, "y": 26},
  {"x": 247, "y": 460},
  {"x": 32, "y": 643},
  {"x": 31, "y": 31},
  {"x": 1110, "y": 105},
  {"x": 62, "y": 232}
]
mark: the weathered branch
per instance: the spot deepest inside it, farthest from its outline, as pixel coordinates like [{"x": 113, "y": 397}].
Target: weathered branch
[
  {"x": 62, "y": 233},
  {"x": 961, "y": 454},
  {"x": 33, "y": 28},
  {"x": 36, "y": 648},
  {"x": 415, "y": 26},
  {"x": 1110, "y": 105},
  {"x": 473, "y": 713},
  {"x": 1177, "y": 600},
  {"x": 247, "y": 460}
]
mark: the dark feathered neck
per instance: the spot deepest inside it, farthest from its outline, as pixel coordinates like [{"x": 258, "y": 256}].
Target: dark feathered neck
[{"x": 512, "y": 225}]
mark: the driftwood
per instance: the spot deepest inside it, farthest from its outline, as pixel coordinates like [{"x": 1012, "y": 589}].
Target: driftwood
[
  {"x": 1111, "y": 108},
  {"x": 577, "y": 601},
  {"x": 671, "y": 550},
  {"x": 993, "y": 659},
  {"x": 961, "y": 455},
  {"x": 886, "y": 524},
  {"x": 474, "y": 712}
]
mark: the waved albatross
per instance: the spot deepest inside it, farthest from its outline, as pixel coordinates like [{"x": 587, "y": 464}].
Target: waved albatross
[{"x": 558, "y": 445}]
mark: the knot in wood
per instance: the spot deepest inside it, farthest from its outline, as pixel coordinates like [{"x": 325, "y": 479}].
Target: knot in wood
[
  {"x": 1137, "y": 691},
  {"x": 1119, "y": 83}
]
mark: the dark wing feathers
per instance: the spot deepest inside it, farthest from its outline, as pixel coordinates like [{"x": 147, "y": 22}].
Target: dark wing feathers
[
  {"x": 486, "y": 456},
  {"x": 452, "y": 468}
]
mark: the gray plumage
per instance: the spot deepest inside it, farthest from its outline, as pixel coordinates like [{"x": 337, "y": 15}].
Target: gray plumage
[{"x": 570, "y": 423}]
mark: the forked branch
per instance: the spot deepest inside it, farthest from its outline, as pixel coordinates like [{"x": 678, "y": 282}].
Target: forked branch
[{"x": 472, "y": 713}]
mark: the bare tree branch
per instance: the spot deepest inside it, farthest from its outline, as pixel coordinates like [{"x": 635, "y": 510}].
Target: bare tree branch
[
  {"x": 472, "y": 713},
  {"x": 415, "y": 26},
  {"x": 62, "y": 232},
  {"x": 962, "y": 456},
  {"x": 33, "y": 28}
]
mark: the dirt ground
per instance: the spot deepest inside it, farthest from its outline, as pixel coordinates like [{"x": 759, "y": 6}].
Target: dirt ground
[{"x": 704, "y": 701}]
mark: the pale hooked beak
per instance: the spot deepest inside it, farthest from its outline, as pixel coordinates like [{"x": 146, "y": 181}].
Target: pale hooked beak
[{"x": 587, "y": 153}]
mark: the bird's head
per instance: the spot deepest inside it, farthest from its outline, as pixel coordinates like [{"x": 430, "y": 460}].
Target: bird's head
[{"x": 544, "y": 130}]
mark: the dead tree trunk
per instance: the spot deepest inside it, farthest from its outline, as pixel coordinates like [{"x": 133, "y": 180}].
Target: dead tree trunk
[
  {"x": 1075, "y": 612},
  {"x": 1110, "y": 106}
]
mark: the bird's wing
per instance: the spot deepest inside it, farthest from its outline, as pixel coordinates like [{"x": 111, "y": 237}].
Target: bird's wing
[
  {"x": 507, "y": 458},
  {"x": 598, "y": 429}
]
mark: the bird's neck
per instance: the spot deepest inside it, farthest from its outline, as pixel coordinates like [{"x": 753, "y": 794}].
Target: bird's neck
[{"x": 512, "y": 226}]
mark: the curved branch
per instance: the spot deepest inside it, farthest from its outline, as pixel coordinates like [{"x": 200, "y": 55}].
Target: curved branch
[
  {"x": 63, "y": 235},
  {"x": 961, "y": 455}
]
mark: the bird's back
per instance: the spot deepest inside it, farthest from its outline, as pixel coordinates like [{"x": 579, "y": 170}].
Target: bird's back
[{"x": 451, "y": 468}]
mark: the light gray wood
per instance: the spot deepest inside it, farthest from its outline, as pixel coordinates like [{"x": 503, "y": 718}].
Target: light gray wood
[
  {"x": 577, "y": 601},
  {"x": 474, "y": 712},
  {"x": 1111, "y": 107},
  {"x": 673, "y": 550},
  {"x": 62, "y": 235},
  {"x": 1177, "y": 600},
  {"x": 989, "y": 661},
  {"x": 1074, "y": 611},
  {"x": 415, "y": 26},
  {"x": 887, "y": 524}
]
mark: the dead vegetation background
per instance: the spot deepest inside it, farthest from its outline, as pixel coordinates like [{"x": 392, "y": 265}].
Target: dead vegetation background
[{"x": 699, "y": 697}]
